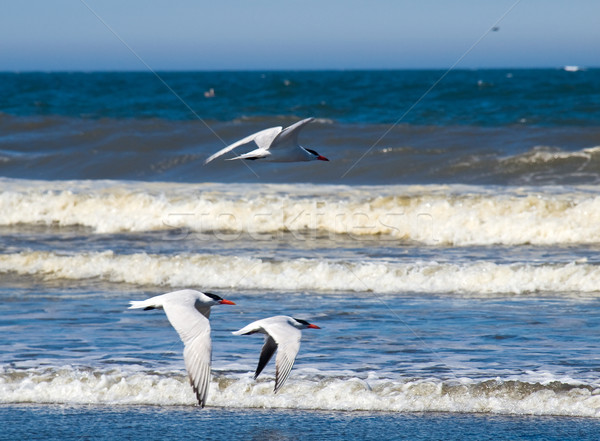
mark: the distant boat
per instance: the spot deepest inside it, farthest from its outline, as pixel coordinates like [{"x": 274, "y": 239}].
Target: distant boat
[{"x": 571, "y": 68}]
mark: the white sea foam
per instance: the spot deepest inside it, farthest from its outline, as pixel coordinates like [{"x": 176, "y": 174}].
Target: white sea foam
[
  {"x": 545, "y": 154},
  {"x": 305, "y": 391},
  {"x": 321, "y": 275},
  {"x": 435, "y": 215}
]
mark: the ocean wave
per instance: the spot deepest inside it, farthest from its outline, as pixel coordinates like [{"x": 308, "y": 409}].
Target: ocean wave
[
  {"x": 544, "y": 163},
  {"x": 309, "y": 274},
  {"x": 433, "y": 215},
  {"x": 307, "y": 390},
  {"x": 546, "y": 154}
]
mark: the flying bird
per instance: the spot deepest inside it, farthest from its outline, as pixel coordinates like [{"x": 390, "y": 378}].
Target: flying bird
[
  {"x": 275, "y": 144},
  {"x": 188, "y": 311},
  {"x": 282, "y": 333}
]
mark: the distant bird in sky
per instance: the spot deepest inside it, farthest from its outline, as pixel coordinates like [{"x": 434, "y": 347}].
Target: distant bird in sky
[
  {"x": 275, "y": 144},
  {"x": 188, "y": 311},
  {"x": 282, "y": 333}
]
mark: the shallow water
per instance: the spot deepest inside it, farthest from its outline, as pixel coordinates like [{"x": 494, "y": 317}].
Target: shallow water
[{"x": 92, "y": 422}]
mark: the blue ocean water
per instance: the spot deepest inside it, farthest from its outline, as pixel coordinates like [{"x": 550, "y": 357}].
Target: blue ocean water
[
  {"x": 506, "y": 127},
  {"x": 488, "y": 98},
  {"x": 449, "y": 252},
  {"x": 153, "y": 423}
]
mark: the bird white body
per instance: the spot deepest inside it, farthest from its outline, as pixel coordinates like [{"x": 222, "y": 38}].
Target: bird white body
[
  {"x": 282, "y": 333},
  {"x": 188, "y": 312},
  {"x": 275, "y": 144}
]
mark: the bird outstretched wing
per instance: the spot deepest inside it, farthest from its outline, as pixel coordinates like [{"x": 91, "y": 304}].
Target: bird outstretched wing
[
  {"x": 267, "y": 352},
  {"x": 197, "y": 355},
  {"x": 287, "y": 339},
  {"x": 289, "y": 136},
  {"x": 263, "y": 140},
  {"x": 193, "y": 328}
]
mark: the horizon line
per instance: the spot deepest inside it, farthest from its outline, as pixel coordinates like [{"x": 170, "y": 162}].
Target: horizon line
[{"x": 258, "y": 70}]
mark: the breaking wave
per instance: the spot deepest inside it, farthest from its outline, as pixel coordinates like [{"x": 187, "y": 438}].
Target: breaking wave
[
  {"x": 307, "y": 390},
  {"x": 308, "y": 274},
  {"x": 432, "y": 215}
]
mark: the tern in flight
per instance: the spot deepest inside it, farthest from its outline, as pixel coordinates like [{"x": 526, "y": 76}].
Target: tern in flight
[
  {"x": 282, "y": 334},
  {"x": 276, "y": 145},
  {"x": 188, "y": 312}
]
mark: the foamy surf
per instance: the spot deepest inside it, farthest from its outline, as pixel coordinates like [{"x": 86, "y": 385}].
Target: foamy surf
[
  {"x": 309, "y": 274},
  {"x": 68, "y": 385},
  {"x": 432, "y": 215}
]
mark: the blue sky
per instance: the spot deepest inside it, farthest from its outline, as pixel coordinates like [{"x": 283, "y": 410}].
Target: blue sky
[{"x": 51, "y": 35}]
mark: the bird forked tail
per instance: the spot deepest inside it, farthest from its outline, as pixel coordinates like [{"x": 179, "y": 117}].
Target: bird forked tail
[{"x": 141, "y": 304}]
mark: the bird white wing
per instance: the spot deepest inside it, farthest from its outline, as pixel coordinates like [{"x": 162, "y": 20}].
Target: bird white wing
[
  {"x": 263, "y": 140},
  {"x": 286, "y": 356},
  {"x": 194, "y": 330},
  {"x": 288, "y": 344},
  {"x": 197, "y": 355},
  {"x": 289, "y": 136},
  {"x": 180, "y": 307}
]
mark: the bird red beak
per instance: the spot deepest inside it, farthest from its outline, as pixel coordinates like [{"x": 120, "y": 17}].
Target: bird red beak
[
  {"x": 311, "y": 325},
  {"x": 322, "y": 158},
  {"x": 226, "y": 302}
]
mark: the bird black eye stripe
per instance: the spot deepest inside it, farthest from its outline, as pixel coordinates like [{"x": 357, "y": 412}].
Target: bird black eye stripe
[{"x": 213, "y": 296}]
